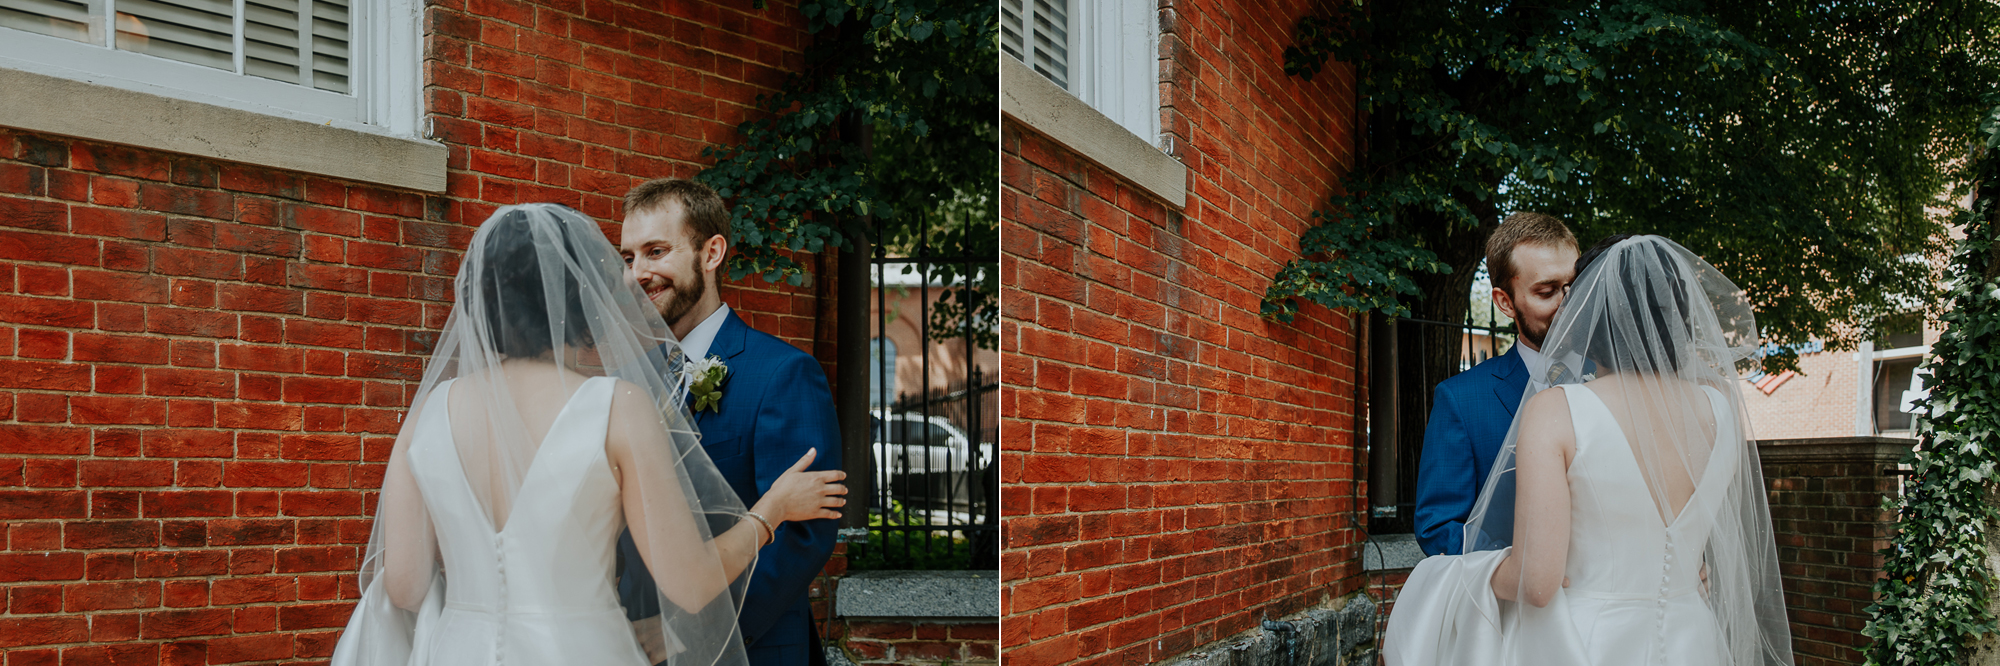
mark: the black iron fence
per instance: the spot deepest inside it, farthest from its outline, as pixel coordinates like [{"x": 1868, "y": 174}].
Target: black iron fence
[
  {"x": 1408, "y": 357},
  {"x": 935, "y": 502}
]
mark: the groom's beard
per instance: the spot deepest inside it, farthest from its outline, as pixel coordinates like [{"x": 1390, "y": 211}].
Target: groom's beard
[
  {"x": 683, "y": 299},
  {"x": 1534, "y": 336}
]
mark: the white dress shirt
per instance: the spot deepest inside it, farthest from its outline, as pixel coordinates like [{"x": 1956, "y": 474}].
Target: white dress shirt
[
  {"x": 1529, "y": 357},
  {"x": 703, "y": 336}
]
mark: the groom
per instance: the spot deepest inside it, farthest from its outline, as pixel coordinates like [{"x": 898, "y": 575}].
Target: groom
[
  {"x": 774, "y": 406},
  {"x": 1532, "y": 259}
]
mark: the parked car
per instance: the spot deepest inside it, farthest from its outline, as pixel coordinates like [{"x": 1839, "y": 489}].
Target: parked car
[{"x": 925, "y": 459}]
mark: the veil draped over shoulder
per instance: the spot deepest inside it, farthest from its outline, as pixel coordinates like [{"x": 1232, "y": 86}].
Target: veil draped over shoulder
[
  {"x": 541, "y": 288},
  {"x": 1658, "y": 338}
]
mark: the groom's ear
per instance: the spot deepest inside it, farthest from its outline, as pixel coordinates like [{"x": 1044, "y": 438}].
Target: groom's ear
[
  {"x": 713, "y": 251},
  {"x": 1504, "y": 301}
]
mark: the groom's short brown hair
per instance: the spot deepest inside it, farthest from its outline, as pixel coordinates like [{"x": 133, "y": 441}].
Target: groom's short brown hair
[
  {"x": 1518, "y": 229},
  {"x": 706, "y": 214}
]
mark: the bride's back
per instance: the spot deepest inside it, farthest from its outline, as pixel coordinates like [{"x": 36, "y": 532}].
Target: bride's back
[
  {"x": 529, "y": 396},
  {"x": 1670, "y": 425},
  {"x": 1643, "y": 489}
]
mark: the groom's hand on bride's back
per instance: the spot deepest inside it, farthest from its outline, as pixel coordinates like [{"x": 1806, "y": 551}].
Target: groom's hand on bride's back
[{"x": 801, "y": 495}]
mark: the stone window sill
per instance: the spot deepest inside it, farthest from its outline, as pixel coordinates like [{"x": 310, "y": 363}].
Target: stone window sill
[
  {"x": 1034, "y": 101},
  {"x": 69, "y": 107}
]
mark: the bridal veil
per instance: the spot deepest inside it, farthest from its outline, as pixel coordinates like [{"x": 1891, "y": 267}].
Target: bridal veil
[
  {"x": 540, "y": 283},
  {"x": 1660, "y": 338}
]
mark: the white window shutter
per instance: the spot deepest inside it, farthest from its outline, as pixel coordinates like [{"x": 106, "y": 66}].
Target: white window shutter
[
  {"x": 1010, "y": 29},
  {"x": 303, "y": 42},
  {"x": 1051, "y": 40},
  {"x": 201, "y": 32},
  {"x": 271, "y": 39},
  {"x": 68, "y": 19},
  {"x": 331, "y": 36},
  {"x": 1037, "y": 32}
]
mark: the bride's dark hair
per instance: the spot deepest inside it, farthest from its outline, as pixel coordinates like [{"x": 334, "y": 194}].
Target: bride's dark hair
[
  {"x": 1648, "y": 292},
  {"x": 518, "y": 312}
]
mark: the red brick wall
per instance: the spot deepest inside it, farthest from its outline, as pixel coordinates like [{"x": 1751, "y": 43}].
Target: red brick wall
[
  {"x": 1817, "y": 403},
  {"x": 892, "y": 643},
  {"x": 1826, "y": 508},
  {"x": 1177, "y": 467},
  {"x": 202, "y": 364}
]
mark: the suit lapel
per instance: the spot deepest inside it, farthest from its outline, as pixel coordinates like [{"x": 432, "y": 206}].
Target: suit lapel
[
  {"x": 1509, "y": 386},
  {"x": 728, "y": 344}
]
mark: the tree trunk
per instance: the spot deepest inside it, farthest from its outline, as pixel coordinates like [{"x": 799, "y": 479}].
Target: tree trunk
[
  {"x": 1429, "y": 350},
  {"x": 851, "y": 343}
]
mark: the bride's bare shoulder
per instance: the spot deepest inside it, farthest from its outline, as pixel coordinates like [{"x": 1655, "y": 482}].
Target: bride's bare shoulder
[
  {"x": 1545, "y": 400},
  {"x": 634, "y": 414},
  {"x": 627, "y": 397},
  {"x": 1545, "y": 421}
]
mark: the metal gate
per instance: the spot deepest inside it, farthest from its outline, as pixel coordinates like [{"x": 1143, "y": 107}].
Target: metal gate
[{"x": 935, "y": 426}]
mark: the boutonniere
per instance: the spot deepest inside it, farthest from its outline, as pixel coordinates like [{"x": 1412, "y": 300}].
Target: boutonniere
[{"x": 705, "y": 383}]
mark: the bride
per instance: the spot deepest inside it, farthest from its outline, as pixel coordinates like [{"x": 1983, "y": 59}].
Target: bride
[
  {"x": 550, "y": 416},
  {"x": 1625, "y": 520}
]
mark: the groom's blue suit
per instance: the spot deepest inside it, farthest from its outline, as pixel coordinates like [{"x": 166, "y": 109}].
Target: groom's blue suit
[
  {"x": 1470, "y": 415},
  {"x": 775, "y": 405}
]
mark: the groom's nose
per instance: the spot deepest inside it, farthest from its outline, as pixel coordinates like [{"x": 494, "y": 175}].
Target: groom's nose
[{"x": 640, "y": 270}]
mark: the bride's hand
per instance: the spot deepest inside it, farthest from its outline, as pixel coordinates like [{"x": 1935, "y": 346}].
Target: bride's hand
[{"x": 802, "y": 495}]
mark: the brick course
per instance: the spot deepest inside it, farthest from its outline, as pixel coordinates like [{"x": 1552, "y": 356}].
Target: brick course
[
  {"x": 1826, "y": 508},
  {"x": 881, "y": 643},
  {"x": 203, "y": 364},
  {"x": 1176, "y": 467}
]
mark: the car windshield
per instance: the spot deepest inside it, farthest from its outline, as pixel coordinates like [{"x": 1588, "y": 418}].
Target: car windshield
[{"x": 917, "y": 433}]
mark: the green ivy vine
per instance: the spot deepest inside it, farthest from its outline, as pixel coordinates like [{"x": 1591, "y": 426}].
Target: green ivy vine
[
  {"x": 1936, "y": 597},
  {"x": 889, "y": 132}
]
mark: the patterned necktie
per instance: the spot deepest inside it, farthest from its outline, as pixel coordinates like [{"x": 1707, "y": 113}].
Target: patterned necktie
[{"x": 677, "y": 365}]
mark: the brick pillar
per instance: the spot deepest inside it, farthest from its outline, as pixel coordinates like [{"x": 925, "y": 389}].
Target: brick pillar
[{"x": 1826, "y": 508}]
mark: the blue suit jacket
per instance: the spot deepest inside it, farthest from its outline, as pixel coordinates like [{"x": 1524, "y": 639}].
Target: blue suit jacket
[
  {"x": 775, "y": 405},
  {"x": 1470, "y": 415}
]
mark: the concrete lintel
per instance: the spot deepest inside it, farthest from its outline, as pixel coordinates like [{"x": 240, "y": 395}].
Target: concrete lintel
[
  {"x": 1035, "y": 101},
  {"x": 68, "y": 107},
  {"x": 1885, "y": 450},
  {"x": 948, "y": 596}
]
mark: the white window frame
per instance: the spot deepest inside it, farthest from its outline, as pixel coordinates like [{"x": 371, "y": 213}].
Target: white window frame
[
  {"x": 1115, "y": 62},
  {"x": 1868, "y": 361},
  {"x": 375, "y": 134},
  {"x": 1111, "y": 111}
]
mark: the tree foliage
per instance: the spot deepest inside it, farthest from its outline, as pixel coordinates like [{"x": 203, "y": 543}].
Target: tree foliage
[
  {"x": 1936, "y": 597},
  {"x": 1795, "y": 145},
  {"x": 890, "y": 132}
]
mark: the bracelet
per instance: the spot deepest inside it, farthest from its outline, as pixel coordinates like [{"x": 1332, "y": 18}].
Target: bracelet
[{"x": 767, "y": 526}]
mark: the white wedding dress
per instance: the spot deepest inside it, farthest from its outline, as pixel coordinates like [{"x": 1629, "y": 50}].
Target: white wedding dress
[
  {"x": 1635, "y": 594},
  {"x": 493, "y": 543},
  {"x": 539, "y": 589}
]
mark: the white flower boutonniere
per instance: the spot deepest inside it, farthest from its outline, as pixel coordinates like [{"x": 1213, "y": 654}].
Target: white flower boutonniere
[{"x": 705, "y": 379}]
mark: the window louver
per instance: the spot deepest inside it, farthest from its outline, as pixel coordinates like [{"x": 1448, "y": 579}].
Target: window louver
[
  {"x": 1036, "y": 32},
  {"x": 304, "y": 42},
  {"x": 193, "y": 31},
  {"x": 56, "y": 18}
]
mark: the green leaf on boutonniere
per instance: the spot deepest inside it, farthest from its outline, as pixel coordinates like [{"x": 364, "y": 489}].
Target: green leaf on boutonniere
[{"x": 707, "y": 375}]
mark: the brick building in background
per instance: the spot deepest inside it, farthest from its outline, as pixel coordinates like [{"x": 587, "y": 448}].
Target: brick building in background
[
  {"x": 1820, "y": 400},
  {"x": 217, "y": 290},
  {"x": 1176, "y": 468}
]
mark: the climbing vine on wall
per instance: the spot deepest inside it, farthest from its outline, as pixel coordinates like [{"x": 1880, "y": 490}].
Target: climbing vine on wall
[{"x": 1935, "y": 598}]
